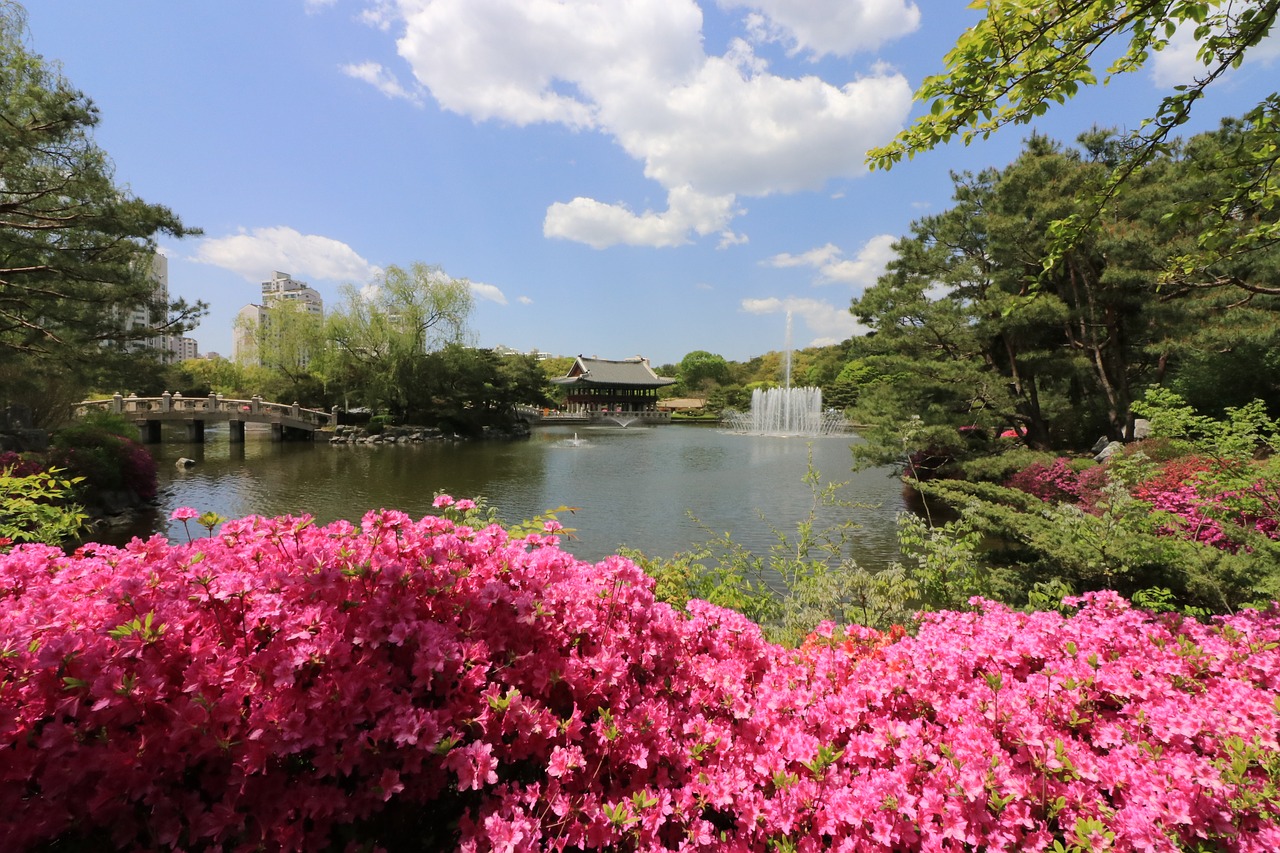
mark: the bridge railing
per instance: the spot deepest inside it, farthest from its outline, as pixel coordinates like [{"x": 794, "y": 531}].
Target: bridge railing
[{"x": 175, "y": 405}]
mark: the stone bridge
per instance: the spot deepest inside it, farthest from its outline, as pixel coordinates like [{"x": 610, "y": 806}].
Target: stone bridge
[{"x": 150, "y": 413}]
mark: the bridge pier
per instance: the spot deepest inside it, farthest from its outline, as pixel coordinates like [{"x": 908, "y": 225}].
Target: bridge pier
[
  {"x": 149, "y": 431},
  {"x": 195, "y": 431},
  {"x": 237, "y": 431},
  {"x": 277, "y": 431}
]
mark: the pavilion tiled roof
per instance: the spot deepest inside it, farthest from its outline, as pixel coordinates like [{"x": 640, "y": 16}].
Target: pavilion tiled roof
[{"x": 602, "y": 371}]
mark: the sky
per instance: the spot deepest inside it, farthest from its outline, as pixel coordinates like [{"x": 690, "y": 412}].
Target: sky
[{"x": 613, "y": 177}]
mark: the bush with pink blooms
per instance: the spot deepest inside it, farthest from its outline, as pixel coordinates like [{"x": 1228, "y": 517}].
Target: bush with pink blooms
[
  {"x": 1062, "y": 481},
  {"x": 411, "y": 685}
]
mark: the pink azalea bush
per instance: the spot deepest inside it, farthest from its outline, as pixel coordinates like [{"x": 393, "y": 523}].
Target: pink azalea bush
[
  {"x": 1192, "y": 490},
  {"x": 1196, "y": 493},
  {"x": 422, "y": 684},
  {"x": 1059, "y": 482}
]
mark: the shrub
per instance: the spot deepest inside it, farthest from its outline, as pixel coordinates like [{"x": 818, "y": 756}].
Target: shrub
[
  {"x": 1069, "y": 481},
  {"x": 422, "y": 685},
  {"x": 20, "y": 464},
  {"x": 34, "y": 505},
  {"x": 999, "y": 467},
  {"x": 1053, "y": 483},
  {"x": 105, "y": 460}
]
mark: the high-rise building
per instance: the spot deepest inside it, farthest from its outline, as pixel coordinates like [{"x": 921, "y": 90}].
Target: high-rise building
[
  {"x": 153, "y": 315},
  {"x": 150, "y": 314},
  {"x": 181, "y": 348},
  {"x": 282, "y": 287},
  {"x": 253, "y": 320}
]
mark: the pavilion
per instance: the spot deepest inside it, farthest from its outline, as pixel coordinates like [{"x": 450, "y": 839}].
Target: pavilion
[{"x": 605, "y": 389}]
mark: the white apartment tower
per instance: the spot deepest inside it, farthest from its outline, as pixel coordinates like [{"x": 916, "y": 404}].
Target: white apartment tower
[{"x": 281, "y": 288}]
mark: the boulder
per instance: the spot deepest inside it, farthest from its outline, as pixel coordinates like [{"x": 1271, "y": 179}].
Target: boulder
[{"x": 1107, "y": 452}]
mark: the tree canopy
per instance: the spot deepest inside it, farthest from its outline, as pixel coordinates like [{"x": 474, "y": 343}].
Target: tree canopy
[
  {"x": 75, "y": 247},
  {"x": 379, "y": 335},
  {"x": 973, "y": 332},
  {"x": 701, "y": 370},
  {"x": 1021, "y": 58}
]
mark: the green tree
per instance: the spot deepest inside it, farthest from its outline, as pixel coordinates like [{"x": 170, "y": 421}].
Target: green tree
[
  {"x": 464, "y": 390},
  {"x": 382, "y": 332},
  {"x": 843, "y": 391},
  {"x": 198, "y": 377},
  {"x": 291, "y": 343},
  {"x": 75, "y": 248},
  {"x": 1021, "y": 58},
  {"x": 700, "y": 371},
  {"x": 972, "y": 331}
]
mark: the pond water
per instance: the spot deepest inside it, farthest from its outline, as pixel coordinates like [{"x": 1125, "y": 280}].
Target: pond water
[{"x": 636, "y": 487}]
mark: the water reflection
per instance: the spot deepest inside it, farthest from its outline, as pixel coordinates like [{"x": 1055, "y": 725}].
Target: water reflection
[{"x": 635, "y": 486}]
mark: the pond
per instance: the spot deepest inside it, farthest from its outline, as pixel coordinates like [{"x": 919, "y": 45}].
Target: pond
[{"x": 650, "y": 488}]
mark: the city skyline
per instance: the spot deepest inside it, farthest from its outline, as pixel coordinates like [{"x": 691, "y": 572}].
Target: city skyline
[{"x": 648, "y": 178}]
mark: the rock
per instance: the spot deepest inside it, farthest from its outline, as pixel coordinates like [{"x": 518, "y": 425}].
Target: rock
[
  {"x": 1141, "y": 428},
  {"x": 1098, "y": 445},
  {"x": 184, "y": 463},
  {"x": 1107, "y": 452}
]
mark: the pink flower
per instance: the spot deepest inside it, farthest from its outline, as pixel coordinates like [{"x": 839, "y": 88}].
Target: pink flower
[
  {"x": 465, "y": 504},
  {"x": 307, "y": 681},
  {"x": 442, "y": 501},
  {"x": 183, "y": 513}
]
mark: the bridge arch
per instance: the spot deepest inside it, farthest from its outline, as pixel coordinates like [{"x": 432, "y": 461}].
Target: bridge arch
[{"x": 151, "y": 413}]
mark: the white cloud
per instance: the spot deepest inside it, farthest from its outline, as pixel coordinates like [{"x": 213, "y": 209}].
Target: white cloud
[
  {"x": 829, "y": 324},
  {"x": 599, "y": 225},
  {"x": 526, "y": 61},
  {"x": 821, "y": 27},
  {"x": 524, "y": 300},
  {"x": 832, "y": 268},
  {"x": 253, "y": 255},
  {"x": 314, "y": 6},
  {"x": 715, "y": 127},
  {"x": 381, "y": 79},
  {"x": 728, "y": 130},
  {"x": 380, "y": 15},
  {"x": 488, "y": 292},
  {"x": 812, "y": 258},
  {"x": 1178, "y": 64}
]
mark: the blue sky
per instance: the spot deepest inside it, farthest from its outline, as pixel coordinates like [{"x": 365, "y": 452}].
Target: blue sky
[{"x": 614, "y": 177}]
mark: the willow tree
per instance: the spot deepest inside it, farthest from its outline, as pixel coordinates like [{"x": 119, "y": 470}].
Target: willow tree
[
  {"x": 380, "y": 334},
  {"x": 1022, "y": 58},
  {"x": 75, "y": 247}
]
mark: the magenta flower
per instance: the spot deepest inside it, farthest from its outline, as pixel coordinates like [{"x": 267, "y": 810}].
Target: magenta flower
[{"x": 298, "y": 687}]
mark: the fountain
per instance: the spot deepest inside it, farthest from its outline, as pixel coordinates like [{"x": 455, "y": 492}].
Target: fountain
[{"x": 787, "y": 410}]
